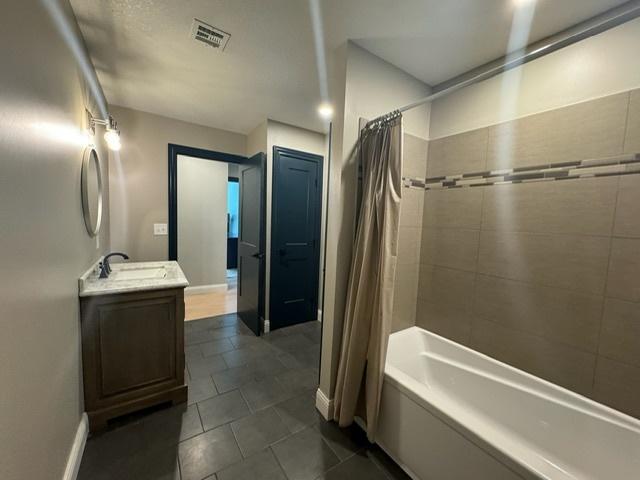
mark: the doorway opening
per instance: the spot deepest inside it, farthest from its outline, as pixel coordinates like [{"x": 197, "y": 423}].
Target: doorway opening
[
  {"x": 233, "y": 225},
  {"x": 205, "y": 235},
  {"x": 204, "y": 227}
]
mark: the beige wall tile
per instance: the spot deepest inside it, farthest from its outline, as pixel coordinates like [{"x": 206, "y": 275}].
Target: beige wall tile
[
  {"x": 560, "y": 364},
  {"x": 632, "y": 138},
  {"x": 556, "y": 314},
  {"x": 628, "y": 210},
  {"x": 444, "y": 302},
  {"x": 618, "y": 385},
  {"x": 462, "y": 153},
  {"x": 446, "y": 320},
  {"x": 583, "y": 206},
  {"x": 543, "y": 252},
  {"x": 624, "y": 269},
  {"x": 620, "y": 336},
  {"x": 446, "y": 286},
  {"x": 414, "y": 156},
  {"x": 455, "y": 207},
  {"x": 409, "y": 245},
  {"x": 450, "y": 247},
  {"x": 587, "y": 130},
  {"x": 411, "y": 207},
  {"x": 568, "y": 261},
  {"x": 404, "y": 296}
]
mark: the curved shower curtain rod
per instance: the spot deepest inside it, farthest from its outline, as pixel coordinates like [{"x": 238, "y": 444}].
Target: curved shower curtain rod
[
  {"x": 595, "y": 25},
  {"x": 382, "y": 119}
]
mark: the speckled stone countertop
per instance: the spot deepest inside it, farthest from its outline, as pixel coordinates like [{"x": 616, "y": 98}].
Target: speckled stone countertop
[{"x": 90, "y": 284}]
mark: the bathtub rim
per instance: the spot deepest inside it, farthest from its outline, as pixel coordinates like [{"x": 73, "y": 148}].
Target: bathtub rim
[{"x": 404, "y": 382}]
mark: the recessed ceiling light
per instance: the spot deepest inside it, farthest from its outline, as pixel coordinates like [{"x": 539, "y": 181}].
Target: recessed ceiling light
[
  {"x": 523, "y": 3},
  {"x": 325, "y": 110}
]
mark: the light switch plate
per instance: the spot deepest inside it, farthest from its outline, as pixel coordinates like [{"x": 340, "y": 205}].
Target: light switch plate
[{"x": 159, "y": 228}]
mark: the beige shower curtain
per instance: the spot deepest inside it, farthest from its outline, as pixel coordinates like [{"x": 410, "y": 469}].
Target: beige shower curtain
[{"x": 369, "y": 307}]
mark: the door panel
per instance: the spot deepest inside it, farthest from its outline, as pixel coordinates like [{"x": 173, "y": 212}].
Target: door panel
[
  {"x": 295, "y": 234},
  {"x": 251, "y": 241}
]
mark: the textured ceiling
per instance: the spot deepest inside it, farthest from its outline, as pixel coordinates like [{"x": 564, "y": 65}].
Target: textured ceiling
[{"x": 146, "y": 59}]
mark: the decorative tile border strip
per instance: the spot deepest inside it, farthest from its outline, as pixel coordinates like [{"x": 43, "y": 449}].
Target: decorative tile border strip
[{"x": 600, "y": 167}]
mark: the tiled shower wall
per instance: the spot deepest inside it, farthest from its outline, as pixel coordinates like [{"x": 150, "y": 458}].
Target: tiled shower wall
[
  {"x": 414, "y": 164},
  {"x": 544, "y": 276}
]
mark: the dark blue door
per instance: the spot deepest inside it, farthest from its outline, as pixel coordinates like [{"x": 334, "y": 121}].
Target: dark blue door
[
  {"x": 295, "y": 237},
  {"x": 251, "y": 257}
]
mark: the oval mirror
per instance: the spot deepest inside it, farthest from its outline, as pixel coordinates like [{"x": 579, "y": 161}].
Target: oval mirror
[{"x": 91, "y": 191}]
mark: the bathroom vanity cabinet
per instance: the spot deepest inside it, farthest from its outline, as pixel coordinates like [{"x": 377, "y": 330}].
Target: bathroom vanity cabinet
[{"x": 132, "y": 351}]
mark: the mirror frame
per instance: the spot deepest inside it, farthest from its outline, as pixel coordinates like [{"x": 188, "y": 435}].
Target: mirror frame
[{"x": 91, "y": 155}]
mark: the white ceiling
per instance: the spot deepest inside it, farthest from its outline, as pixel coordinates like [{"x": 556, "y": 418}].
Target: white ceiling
[
  {"x": 146, "y": 60},
  {"x": 435, "y": 40}
]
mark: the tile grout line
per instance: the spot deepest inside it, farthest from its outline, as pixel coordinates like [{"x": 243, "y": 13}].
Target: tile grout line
[
  {"x": 277, "y": 459},
  {"x": 537, "y": 335},
  {"x": 528, "y": 282},
  {"x": 606, "y": 284},
  {"x": 235, "y": 439},
  {"x": 472, "y": 313},
  {"x": 526, "y": 232},
  {"x": 625, "y": 131}
]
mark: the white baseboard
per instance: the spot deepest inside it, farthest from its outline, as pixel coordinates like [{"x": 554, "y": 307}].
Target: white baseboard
[
  {"x": 319, "y": 315},
  {"x": 324, "y": 405},
  {"x": 266, "y": 326},
  {"x": 77, "y": 449},
  {"x": 218, "y": 287}
]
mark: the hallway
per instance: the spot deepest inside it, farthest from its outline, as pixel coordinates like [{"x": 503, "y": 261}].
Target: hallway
[
  {"x": 212, "y": 304},
  {"x": 250, "y": 415}
]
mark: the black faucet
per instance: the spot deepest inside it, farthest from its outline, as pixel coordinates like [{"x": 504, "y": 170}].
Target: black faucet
[{"x": 105, "y": 268}]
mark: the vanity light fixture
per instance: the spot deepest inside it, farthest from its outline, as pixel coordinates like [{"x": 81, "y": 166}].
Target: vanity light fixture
[{"x": 111, "y": 135}]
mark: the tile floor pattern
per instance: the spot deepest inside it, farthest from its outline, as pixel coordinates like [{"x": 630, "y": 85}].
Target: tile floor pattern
[{"x": 250, "y": 415}]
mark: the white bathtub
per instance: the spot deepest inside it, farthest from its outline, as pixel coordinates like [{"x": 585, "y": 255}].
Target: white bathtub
[{"x": 449, "y": 412}]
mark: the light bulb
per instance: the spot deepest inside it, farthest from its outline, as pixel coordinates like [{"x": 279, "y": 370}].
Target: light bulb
[
  {"x": 115, "y": 146},
  {"x": 325, "y": 110},
  {"x": 112, "y": 137}
]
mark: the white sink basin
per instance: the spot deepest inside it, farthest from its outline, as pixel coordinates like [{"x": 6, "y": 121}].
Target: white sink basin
[{"x": 138, "y": 273}]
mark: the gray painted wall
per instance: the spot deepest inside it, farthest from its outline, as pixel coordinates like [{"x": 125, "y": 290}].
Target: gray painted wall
[
  {"x": 363, "y": 86},
  {"x": 44, "y": 242},
  {"x": 202, "y": 220},
  {"x": 139, "y": 176}
]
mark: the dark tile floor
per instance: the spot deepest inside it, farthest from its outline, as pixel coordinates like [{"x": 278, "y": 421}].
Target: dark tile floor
[{"x": 250, "y": 415}]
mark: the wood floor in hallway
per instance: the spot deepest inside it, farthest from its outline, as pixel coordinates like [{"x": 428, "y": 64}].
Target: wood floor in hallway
[{"x": 212, "y": 304}]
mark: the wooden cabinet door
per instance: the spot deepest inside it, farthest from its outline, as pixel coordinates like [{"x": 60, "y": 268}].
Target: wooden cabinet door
[{"x": 132, "y": 346}]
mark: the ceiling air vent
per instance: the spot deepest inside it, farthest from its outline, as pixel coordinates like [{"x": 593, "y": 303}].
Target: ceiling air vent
[{"x": 211, "y": 36}]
